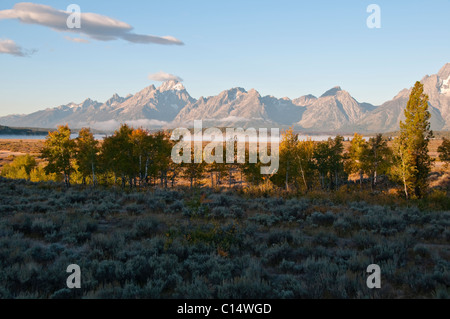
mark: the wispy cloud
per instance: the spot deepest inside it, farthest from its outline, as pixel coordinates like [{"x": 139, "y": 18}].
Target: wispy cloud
[
  {"x": 94, "y": 26},
  {"x": 8, "y": 46},
  {"x": 163, "y": 77},
  {"x": 76, "y": 40}
]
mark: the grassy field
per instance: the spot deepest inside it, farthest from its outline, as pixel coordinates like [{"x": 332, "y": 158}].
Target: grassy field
[
  {"x": 220, "y": 243},
  {"x": 12, "y": 148}
]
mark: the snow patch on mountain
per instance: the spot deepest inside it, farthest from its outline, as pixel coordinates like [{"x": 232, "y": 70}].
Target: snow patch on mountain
[{"x": 445, "y": 87}]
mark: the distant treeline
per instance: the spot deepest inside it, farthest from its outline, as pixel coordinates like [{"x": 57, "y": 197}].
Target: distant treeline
[
  {"x": 138, "y": 158},
  {"x": 5, "y": 130}
]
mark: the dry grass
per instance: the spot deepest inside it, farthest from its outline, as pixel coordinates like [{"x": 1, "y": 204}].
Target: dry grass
[{"x": 9, "y": 149}]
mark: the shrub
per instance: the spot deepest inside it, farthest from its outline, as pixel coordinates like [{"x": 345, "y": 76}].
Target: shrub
[
  {"x": 265, "y": 220},
  {"x": 321, "y": 219},
  {"x": 325, "y": 239},
  {"x": 146, "y": 226},
  {"x": 280, "y": 237},
  {"x": 245, "y": 288},
  {"x": 197, "y": 289},
  {"x": 342, "y": 226}
]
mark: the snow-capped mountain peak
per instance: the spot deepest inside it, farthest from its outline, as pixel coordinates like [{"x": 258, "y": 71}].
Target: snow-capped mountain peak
[
  {"x": 170, "y": 104},
  {"x": 171, "y": 86}
]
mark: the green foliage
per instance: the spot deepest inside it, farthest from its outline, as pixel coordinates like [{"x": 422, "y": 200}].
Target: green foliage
[
  {"x": 413, "y": 160},
  {"x": 329, "y": 161},
  {"x": 117, "y": 154},
  {"x": 357, "y": 157},
  {"x": 379, "y": 158},
  {"x": 193, "y": 171},
  {"x": 59, "y": 150},
  {"x": 444, "y": 150},
  {"x": 87, "y": 149},
  {"x": 20, "y": 168},
  {"x": 288, "y": 168}
]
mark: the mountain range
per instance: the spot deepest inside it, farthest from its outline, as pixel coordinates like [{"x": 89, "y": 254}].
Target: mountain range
[{"x": 170, "y": 105}]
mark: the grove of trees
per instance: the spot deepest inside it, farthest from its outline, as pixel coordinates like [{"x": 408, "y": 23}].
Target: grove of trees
[{"x": 137, "y": 158}]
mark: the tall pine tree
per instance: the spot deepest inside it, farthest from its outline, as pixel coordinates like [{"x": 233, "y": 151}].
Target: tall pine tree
[{"x": 414, "y": 163}]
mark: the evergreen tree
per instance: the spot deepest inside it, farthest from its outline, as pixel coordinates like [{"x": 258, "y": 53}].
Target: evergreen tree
[
  {"x": 413, "y": 161},
  {"x": 322, "y": 154},
  {"x": 336, "y": 159},
  {"x": 444, "y": 151},
  {"x": 329, "y": 161},
  {"x": 379, "y": 158}
]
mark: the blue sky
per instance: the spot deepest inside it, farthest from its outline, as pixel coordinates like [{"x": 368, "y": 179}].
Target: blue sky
[{"x": 280, "y": 48}]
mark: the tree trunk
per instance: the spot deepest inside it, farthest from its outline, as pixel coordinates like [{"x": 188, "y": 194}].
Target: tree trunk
[
  {"x": 212, "y": 179},
  {"x": 140, "y": 170},
  {"x": 173, "y": 179},
  {"x": 146, "y": 171},
  {"x": 404, "y": 175},
  {"x": 337, "y": 179},
  {"x": 303, "y": 175},
  {"x": 287, "y": 175},
  {"x": 360, "y": 179},
  {"x": 93, "y": 174},
  {"x": 67, "y": 180}
]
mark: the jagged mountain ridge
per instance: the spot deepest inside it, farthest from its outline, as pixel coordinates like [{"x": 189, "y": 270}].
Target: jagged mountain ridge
[
  {"x": 389, "y": 114},
  {"x": 149, "y": 107},
  {"x": 170, "y": 105}
]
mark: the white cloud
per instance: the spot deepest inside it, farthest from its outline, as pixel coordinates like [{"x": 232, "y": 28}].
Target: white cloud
[
  {"x": 147, "y": 123},
  {"x": 93, "y": 25},
  {"x": 8, "y": 46},
  {"x": 163, "y": 77},
  {"x": 76, "y": 40}
]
